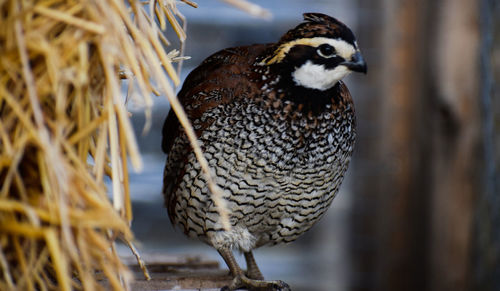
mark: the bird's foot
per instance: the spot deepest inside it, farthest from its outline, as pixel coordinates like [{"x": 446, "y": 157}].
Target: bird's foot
[{"x": 243, "y": 281}]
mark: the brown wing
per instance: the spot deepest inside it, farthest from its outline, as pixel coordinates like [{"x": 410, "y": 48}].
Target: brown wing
[
  {"x": 219, "y": 79},
  {"x": 219, "y": 74}
]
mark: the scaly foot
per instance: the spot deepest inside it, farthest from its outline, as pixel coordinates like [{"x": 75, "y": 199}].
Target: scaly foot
[{"x": 243, "y": 281}]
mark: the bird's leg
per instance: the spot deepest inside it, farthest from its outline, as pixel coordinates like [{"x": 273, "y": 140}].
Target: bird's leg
[
  {"x": 228, "y": 257},
  {"x": 240, "y": 280},
  {"x": 253, "y": 271}
]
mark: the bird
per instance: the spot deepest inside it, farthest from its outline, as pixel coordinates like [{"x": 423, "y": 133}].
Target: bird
[{"x": 277, "y": 125}]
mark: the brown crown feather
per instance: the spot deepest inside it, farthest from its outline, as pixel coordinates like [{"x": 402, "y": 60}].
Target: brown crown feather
[{"x": 319, "y": 25}]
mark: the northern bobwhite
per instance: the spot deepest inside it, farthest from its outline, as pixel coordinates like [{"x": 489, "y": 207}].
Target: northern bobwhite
[{"x": 277, "y": 126}]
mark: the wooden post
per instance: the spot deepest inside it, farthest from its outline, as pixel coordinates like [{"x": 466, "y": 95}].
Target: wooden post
[
  {"x": 426, "y": 164},
  {"x": 456, "y": 149}
]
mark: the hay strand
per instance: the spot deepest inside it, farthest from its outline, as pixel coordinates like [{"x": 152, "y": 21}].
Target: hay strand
[
  {"x": 64, "y": 127},
  {"x": 250, "y": 8}
]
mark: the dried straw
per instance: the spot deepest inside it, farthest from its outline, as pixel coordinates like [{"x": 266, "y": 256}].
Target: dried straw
[
  {"x": 250, "y": 8},
  {"x": 64, "y": 127}
]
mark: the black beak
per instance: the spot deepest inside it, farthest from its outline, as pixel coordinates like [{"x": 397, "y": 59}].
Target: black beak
[{"x": 356, "y": 64}]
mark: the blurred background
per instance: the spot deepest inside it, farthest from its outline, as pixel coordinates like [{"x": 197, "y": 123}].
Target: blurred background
[{"x": 420, "y": 206}]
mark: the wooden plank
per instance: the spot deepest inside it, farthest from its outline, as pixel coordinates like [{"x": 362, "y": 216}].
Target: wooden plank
[
  {"x": 178, "y": 272},
  {"x": 424, "y": 164}
]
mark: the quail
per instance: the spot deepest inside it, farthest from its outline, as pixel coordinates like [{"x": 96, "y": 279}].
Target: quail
[{"x": 277, "y": 127}]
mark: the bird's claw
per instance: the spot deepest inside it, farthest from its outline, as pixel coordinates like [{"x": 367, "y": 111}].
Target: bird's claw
[
  {"x": 256, "y": 285},
  {"x": 280, "y": 286}
]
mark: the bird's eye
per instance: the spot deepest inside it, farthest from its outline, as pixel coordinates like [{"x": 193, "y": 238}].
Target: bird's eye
[{"x": 326, "y": 51}]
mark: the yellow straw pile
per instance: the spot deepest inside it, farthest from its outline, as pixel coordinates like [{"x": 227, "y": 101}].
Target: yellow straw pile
[{"x": 64, "y": 128}]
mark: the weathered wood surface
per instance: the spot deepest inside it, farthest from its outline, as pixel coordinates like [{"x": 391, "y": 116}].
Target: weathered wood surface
[
  {"x": 414, "y": 219},
  {"x": 170, "y": 272}
]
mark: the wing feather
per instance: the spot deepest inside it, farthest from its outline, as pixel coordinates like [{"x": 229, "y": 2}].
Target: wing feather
[{"x": 218, "y": 80}]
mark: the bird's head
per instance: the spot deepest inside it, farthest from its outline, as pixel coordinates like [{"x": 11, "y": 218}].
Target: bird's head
[{"x": 317, "y": 53}]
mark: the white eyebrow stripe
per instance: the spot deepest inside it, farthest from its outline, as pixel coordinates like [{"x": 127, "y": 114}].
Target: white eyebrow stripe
[{"x": 343, "y": 48}]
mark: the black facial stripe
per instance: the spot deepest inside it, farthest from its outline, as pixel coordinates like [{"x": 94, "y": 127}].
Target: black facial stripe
[
  {"x": 300, "y": 54},
  {"x": 329, "y": 63}
]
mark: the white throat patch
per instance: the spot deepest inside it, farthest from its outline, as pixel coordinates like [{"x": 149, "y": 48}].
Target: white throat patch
[{"x": 315, "y": 76}]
